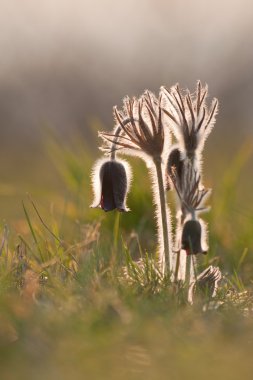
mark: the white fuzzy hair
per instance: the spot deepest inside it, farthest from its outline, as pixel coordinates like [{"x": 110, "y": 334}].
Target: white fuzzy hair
[{"x": 96, "y": 181}]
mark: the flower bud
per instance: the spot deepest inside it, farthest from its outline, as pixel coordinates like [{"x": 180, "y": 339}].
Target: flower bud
[
  {"x": 110, "y": 185},
  {"x": 192, "y": 236},
  {"x": 206, "y": 282},
  {"x": 174, "y": 168}
]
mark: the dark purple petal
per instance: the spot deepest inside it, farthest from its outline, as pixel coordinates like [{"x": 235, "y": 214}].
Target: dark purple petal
[
  {"x": 114, "y": 186},
  {"x": 191, "y": 237},
  {"x": 119, "y": 181},
  {"x": 107, "y": 199}
]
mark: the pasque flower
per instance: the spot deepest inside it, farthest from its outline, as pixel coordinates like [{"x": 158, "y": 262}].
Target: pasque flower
[
  {"x": 190, "y": 191},
  {"x": 111, "y": 180},
  {"x": 191, "y": 230},
  {"x": 190, "y": 119},
  {"x": 143, "y": 128},
  {"x": 140, "y": 131},
  {"x": 205, "y": 283},
  {"x": 192, "y": 237}
]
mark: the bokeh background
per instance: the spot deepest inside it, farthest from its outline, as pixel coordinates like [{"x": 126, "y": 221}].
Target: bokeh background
[
  {"x": 65, "y": 310},
  {"x": 64, "y": 64}
]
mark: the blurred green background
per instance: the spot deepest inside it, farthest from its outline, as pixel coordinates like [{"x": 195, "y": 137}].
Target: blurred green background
[{"x": 64, "y": 65}]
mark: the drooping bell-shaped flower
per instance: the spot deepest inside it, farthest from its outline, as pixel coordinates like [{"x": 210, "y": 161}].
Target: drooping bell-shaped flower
[
  {"x": 192, "y": 237},
  {"x": 111, "y": 181}
]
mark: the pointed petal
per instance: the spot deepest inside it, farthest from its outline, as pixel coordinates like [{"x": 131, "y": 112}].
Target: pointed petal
[
  {"x": 119, "y": 185},
  {"x": 107, "y": 197}
]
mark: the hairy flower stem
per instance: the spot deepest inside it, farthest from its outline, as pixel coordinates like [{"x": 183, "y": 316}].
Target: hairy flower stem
[
  {"x": 177, "y": 266},
  {"x": 113, "y": 147},
  {"x": 165, "y": 248},
  {"x": 190, "y": 271}
]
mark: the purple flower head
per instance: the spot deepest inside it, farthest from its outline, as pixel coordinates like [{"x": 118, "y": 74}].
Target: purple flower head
[
  {"x": 111, "y": 181},
  {"x": 192, "y": 237}
]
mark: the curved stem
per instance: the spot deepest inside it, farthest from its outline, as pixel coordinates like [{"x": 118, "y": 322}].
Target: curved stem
[
  {"x": 165, "y": 254},
  {"x": 114, "y": 144},
  {"x": 118, "y": 131}
]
